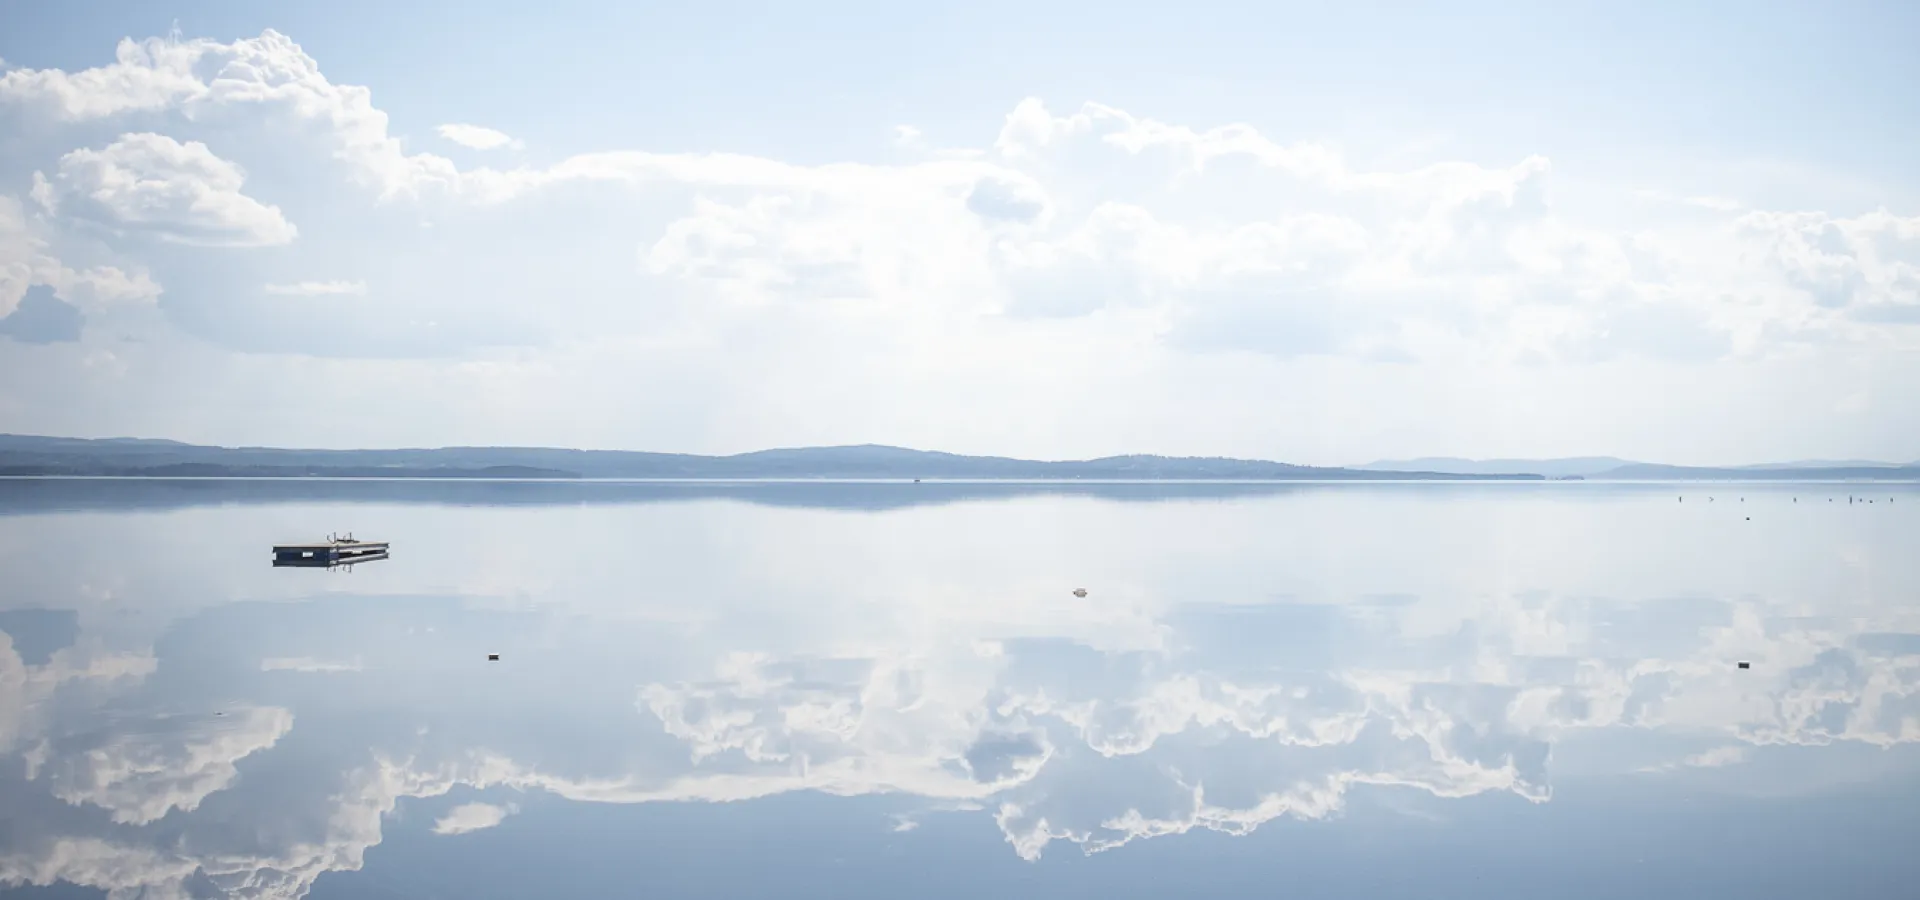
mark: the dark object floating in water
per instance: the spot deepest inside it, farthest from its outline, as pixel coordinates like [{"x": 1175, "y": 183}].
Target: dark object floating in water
[
  {"x": 493, "y": 657},
  {"x": 1745, "y": 665},
  {"x": 1749, "y": 518},
  {"x": 336, "y": 550},
  {"x": 1079, "y": 592}
]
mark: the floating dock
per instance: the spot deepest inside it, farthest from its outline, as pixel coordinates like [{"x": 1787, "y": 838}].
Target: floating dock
[{"x": 331, "y": 552}]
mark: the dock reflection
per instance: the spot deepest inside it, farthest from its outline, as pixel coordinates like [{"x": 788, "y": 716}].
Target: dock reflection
[{"x": 310, "y": 562}]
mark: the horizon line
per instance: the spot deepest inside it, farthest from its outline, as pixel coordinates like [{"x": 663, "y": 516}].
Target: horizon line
[{"x": 1410, "y": 460}]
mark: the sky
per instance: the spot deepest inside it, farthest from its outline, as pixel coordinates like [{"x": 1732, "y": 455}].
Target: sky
[{"x": 1683, "y": 232}]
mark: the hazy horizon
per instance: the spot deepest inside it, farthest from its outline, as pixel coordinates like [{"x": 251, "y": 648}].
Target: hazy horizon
[
  {"x": 1320, "y": 236},
  {"x": 1548, "y": 466}
]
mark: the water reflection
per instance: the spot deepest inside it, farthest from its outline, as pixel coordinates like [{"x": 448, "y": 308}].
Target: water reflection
[
  {"x": 343, "y": 565},
  {"x": 1430, "y": 675}
]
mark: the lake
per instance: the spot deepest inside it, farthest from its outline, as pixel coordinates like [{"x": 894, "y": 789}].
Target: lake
[{"x": 894, "y": 690}]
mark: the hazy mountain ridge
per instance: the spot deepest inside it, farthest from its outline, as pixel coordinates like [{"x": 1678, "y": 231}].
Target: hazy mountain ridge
[
  {"x": 28, "y": 455},
  {"x": 1453, "y": 465},
  {"x": 1653, "y": 471},
  {"x": 1613, "y": 468},
  {"x": 24, "y": 455}
]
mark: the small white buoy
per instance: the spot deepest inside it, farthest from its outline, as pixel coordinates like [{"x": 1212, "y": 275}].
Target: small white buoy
[{"x": 1079, "y": 592}]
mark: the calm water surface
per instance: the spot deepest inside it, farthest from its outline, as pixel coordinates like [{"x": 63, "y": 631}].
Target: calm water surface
[{"x": 868, "y": 691}]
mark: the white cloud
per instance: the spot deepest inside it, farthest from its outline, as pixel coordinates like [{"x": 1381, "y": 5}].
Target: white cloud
[
  {"x": 317, "y": 288},
  {"x": 472, "y": 817},
  {"x": 475, "y": 137},
  {"x": 25, "y": 262},
  {"x": 1095, "y": 270},
  {"x": 144, "y": 75},
  {"x": 200, "y": 78},
  {"x": 151, "y": 183}
]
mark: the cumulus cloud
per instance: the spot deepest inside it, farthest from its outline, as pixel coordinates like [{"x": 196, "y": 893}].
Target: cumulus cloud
[
  {"x": 472, "y": 817},
  {"x": 144, "y": 75},
  {"x": 26, "y": 262},
  {"x": 151, "y": 183},
  {"x": 474, "y": 137},
  {"x": 201, "y": 77},
  {"x": 1448, "y": 257},
  {"x": 1141, "y": 258}
]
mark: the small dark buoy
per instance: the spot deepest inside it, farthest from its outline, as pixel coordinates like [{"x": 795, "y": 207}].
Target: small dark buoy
[
  {"x": 1745, "y": 665},
  {"x": 493, "y": 657},
  {"x": 220, "y": 714},
  {"x": 1749, "y": 518}
]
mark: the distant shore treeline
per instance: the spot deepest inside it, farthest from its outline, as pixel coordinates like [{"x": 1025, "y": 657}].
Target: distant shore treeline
[{"x": 128, "y": 457}]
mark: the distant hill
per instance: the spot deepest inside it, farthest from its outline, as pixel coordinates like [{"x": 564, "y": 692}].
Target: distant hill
[
  {"x": 23, "y": 455},
  {"x": 1652, "y": 472},
  {"x": 1607, "y": 468},
  {"x": 27, "y": 455},
  {"x": 1552, "y": 468}
]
